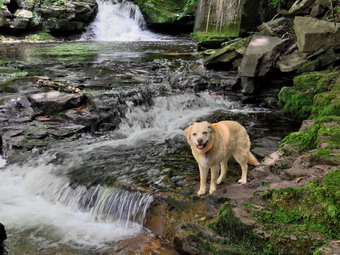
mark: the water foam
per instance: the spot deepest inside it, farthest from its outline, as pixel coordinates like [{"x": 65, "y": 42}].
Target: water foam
[{"x": 118, "y": 21}]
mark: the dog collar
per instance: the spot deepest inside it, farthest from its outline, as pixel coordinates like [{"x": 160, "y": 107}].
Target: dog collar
[{"x": 209, "y": 148}]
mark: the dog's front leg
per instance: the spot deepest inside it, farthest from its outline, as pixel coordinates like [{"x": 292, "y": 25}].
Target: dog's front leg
[
  {"x": 214, "y": 173},
  {"x": 203, "y": 179}
]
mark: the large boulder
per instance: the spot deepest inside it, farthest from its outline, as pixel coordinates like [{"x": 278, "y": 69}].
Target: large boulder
[
  {"x": 260, "y": 55},
  {"x": 226, "y": 57},
  {"x": 314, "y": 35}
]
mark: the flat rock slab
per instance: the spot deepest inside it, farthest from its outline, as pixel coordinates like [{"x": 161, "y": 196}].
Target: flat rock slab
[
  {"x": 314, "y": 34},
  {"x": 54, "y": 101}
]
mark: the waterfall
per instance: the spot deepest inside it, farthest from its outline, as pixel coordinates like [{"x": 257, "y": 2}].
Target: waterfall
[
  {"x": 32, "y": 197},
  {"x": 118, "y": 21}
]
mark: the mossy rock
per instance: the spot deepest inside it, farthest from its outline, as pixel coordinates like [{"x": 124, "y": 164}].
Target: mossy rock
[
  {"x": 241, "y": 237},
  {"x": 326, "y": 104},
  {"x": 323, "y": 135},
  {"x": 166, "y": 11},
  {"x": 303, "y": 212},
  {"x": 303, "y": 99}
]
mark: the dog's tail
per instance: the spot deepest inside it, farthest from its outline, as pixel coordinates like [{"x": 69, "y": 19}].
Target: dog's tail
[{"x": 252, "y": 160}]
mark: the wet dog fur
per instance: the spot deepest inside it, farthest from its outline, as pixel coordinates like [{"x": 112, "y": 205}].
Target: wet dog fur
[{"x": 213, "y": 145}]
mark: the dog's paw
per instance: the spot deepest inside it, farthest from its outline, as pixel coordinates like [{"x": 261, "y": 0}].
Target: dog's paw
[
  {"x": 201, "y": 192},
  {"x": 212, "y": 190},
  {"x": 242, "y": 181}
]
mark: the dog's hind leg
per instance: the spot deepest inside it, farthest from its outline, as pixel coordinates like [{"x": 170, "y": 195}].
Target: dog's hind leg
[
  {"x": 224, "y": 170},
  {"x": 214, "y": 173},
  {"x": 240, "y": 156},
  {"x": 203, "y": 179}
]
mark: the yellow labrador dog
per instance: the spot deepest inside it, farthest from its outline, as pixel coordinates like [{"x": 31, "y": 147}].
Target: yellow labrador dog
[{"x": 213, "y": 144}]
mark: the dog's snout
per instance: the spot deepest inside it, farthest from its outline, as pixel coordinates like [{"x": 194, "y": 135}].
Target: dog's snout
[{"x": 200, "y": 140}]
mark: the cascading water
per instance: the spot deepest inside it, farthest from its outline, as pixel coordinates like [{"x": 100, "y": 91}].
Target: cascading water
[
  {"x": 118, "y": 21},
  {"x": 39, "y": 195},
  {"x": 32, "y": 197}
]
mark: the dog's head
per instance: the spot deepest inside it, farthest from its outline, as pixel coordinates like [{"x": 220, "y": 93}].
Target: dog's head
[{"x": 199, "y": 134}]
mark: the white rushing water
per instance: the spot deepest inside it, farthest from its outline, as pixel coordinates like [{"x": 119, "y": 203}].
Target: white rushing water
[
  {"x": 39, "y": 196},
  {"x": 118, "y": 21}
]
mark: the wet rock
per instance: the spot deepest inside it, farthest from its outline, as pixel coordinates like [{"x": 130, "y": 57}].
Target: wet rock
[
  {"x": 225, "y": 57},
  {"x": 3, "y": 235},
  {"x": 54, "y": 102},
  {"x": 313, "y": 34},
  {"x": 265, "y": 146}
]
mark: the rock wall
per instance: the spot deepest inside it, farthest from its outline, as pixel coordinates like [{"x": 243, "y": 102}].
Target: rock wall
[
  {"x": 61, "y": 17},
  {"x": 293, "y": 43}
]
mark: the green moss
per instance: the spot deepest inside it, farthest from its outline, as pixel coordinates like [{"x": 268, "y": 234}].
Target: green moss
[
  {"x": 326, "y": 104},
  {"x": 42, "y": 36},
  {"x": 295, "y": 104},
  {"x": 165, "y": 11},
  {"x": 240, "y": 236},
  {"x": 310, "y": 94},
  {"x": 315, "y": 207},
  {"x": 7, "y": 86},
  {"x": 323, "y": 135},
  {"x": 309, "y": 66},
  {"x": 202, "y": 37}
]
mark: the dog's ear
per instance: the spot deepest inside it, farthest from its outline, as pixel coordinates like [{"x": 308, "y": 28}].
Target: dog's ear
[
  {"x": 187, "y": 132},
  {"x": 212, "y": 127}
]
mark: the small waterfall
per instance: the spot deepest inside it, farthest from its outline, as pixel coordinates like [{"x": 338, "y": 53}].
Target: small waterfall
[
  {"x": 32, "y": 197},
  {"x": 118, "y": 21}
]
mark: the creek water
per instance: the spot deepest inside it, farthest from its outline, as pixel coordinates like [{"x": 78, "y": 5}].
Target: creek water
[{"x": 87, "y": 194}]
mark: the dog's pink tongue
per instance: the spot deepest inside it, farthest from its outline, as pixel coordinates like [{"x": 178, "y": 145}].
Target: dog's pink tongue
[{"x": 200, "y": 146}]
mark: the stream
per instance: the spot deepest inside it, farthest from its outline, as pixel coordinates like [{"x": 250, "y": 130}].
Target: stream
[{"x": 93, "y": 187}]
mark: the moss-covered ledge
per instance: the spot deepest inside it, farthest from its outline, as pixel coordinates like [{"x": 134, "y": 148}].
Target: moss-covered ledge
[
  {"x": 312, "y": 95},
  {"x": 165, "y": 14},
  {"x": 302, "y": 220}
]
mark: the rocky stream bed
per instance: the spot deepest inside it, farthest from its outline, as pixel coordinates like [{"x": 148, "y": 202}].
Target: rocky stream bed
[{"x": 111, "y": 115}]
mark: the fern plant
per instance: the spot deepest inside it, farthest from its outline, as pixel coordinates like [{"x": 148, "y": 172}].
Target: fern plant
[{"x": 276, "y": 3}]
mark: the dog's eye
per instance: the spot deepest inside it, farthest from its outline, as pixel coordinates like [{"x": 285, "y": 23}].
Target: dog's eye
[
  {"x": 194, "y": 134},
  {"x": 205, "y": 133}
]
